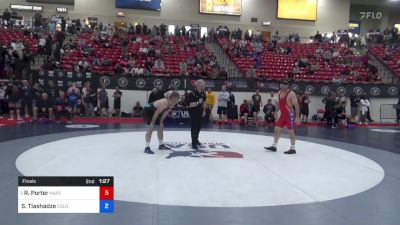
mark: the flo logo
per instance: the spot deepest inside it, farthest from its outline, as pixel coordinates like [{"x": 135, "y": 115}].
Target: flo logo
[
  {"x": 371, "y": 15},
  {"x": 206, "y": 150}
]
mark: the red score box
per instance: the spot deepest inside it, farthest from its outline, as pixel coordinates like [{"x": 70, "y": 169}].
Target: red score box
[{"x": 106, "y": 193}]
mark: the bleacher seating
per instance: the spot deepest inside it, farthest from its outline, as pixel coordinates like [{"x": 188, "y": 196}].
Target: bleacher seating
[
  {"x": 115, "y": 54},
  {"x": 381, "y": 53},
  {"x": 276, "y": 66},
  {"x": 9, "y": 35}
]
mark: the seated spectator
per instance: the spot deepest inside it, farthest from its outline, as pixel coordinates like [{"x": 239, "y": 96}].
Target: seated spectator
[
  {"x": 44, "y": 106},
  {"x": 143, "y": 50},
  {"x": 296, "y": 70},
  {"x": 159, "y": 64},
  {"x": 183, "y": 68},
  {"x": 137, "y": 110},
  {"x": 118, "y": 69},
  {"x": 83, "y": 65},
  {"x": 244, "y": 111},
  {"x": 148, "y": 64},
  {"x": 96, "y": 61},
  {"x": 327, "y": 57},
  {"x": 138, "y": 71},
  {"x": 312, "y": 69},
  {"x": 223, "y": 73},
  {"x": 151, "y": 52},
  {"x": 269, "y": 110},
  {"x": 191, "y": 61},
  {"x": 303, "y": 62},
  {"x": 251, "y": 72}
]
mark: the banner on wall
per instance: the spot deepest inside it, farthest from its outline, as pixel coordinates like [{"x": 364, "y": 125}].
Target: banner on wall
[{"x": 65, "y": 79}]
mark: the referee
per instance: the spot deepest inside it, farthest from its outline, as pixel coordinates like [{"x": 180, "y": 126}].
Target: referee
[{"x": 196, "y": 100}]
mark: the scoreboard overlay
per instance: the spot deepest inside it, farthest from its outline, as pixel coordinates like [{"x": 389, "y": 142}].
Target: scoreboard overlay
[{"x": 65, "y": 194}]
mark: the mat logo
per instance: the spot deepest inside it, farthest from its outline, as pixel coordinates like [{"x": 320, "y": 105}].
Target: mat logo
[
  {"x": 206, "y": 150},
  {"x": 178, "y": 114}
]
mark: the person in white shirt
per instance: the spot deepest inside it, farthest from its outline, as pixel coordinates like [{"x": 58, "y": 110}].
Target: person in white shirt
[
  {"x": 364, "y": 106},
  {"x": 138, "y": 71},
  {"x": 223, "y": 98}
]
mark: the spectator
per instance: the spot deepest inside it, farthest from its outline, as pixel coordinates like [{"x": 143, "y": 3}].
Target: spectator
[
  {"x": 232, "y": 110},
  {"x": 6, "y": 17},
  {"x": 62, "y": 108},
  {"x": 269, "y": 110},
  {"x": 155, "y": 95},
  {"x": 364, "y": 109},
  {"x": 137, "y": 110},
  {"x": 340, "y": 113},
  {"x": 244, "y": 112},
  {"x": 27, "y": 98},
  {"x": 354, "y": 101},
  {"x": 83, "y": 65},
  {"x": 223, "y": 98},
  {"x": 251, "y": 72},
  {"x": 210, "y": 100},
  {"x": 102, "y": 99},
  {"x": 318, "y": 37},
  {"x": 257, "y": 104},
  {"x": 15, "y": 102},
  {"x": 117, "y": 102},
  {"x": 43, "y": 106},
  {"x": 398, "y": 110},
  {"x": 3, "y": 103},
  {"x": 183, "y": 68},
  {"x": 139, "y": 71},
  {"x": 88, "y": 98},
  {"x": 304, "y": 107},
  {"x": 330, "y": 104},
  {"x": 223, "y": 74}
]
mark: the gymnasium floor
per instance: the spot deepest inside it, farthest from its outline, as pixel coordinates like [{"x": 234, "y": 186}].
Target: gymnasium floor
[{"x": 339, "y": 176}]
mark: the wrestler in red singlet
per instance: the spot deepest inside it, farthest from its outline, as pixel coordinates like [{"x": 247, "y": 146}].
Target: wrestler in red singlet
[
  {"x": 287, "y": 117},
  {"x": 290, "y": 110}
]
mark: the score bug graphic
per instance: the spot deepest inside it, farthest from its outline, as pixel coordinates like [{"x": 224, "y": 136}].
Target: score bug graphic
[{"x": 65, "y": 195}]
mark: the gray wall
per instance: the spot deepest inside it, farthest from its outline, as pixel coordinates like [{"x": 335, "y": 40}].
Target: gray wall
[{"x": 332, "y": 15}]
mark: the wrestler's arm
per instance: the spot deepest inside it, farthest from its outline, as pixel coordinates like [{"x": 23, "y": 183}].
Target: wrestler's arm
[{"x": 295, "y": 103}]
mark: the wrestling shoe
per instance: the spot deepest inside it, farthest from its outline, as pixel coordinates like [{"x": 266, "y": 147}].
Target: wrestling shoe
[
  {"x": 198, "y": 143},
  {"x": 147, "y": 150},
  {"x": 290, "y": 152},
  {"x": 195, "y": 148},
  {"x": 272, "y": 149},
  {"x": 163, "y": 147}
]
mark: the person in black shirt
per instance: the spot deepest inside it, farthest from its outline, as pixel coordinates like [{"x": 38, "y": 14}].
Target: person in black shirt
[
  {"x": 257, "y": 103},
  {"x": 354, "y": 100},
  {"x": 117, "y": 102},
  {"x": 330, "y": 104},
  {"x": 28, "y": 95},
  {"x": 398, "y": 110},
  {"x": 196, "y": 100},
  {"x": 269, "y": 110},
  {"x": 340, "y": 113},
  {"x": 6, "y": 17},
  {"x": 155, "y": 95},
  {"x": 44, "y": 106},
  {"x": 304, "y": 107}
]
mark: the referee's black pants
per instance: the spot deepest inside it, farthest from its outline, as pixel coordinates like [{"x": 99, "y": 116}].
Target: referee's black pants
[{"x": 195, "y": 122}]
